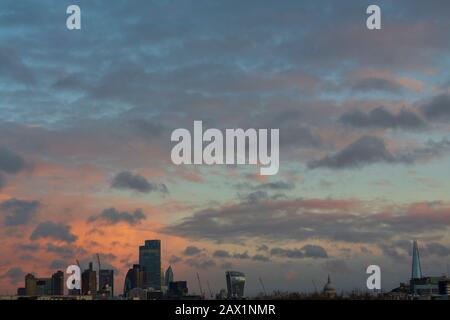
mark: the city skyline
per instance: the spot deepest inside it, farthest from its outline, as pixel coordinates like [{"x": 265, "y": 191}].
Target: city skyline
[
  {"x": 86, "y": 118},
  {"x": 235, "y": 281}
]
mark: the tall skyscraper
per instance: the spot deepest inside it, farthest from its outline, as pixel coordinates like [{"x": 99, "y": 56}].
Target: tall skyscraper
[
  {"x": 30, "y": 285},
  {"x": 89, "y": 281},
  {"x": 106, "y": 281},
  {"x": 235, "y": 284},
  {"x": 150, "y": 261},
  {"x": 134, "y": 279},
  {"x": 416, "y": 272},
  {"x": 168, "y": 278},
  {"x": 58, "y": 283}
]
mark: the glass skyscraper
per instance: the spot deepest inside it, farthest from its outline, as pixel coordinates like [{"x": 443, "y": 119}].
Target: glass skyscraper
[
  {"x": 235, "y": 284},
  {"x": 150, "y": 261},
  {"x": 106, "y": 281}
]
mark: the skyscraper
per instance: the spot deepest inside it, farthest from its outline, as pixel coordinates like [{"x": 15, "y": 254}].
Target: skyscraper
[
  {"x": 416, "y": 272},
  {"x": 44, "y": 286},
  {"x": 58, "y": 283},
  {"x": 134, "y": 279},
  {"x": 169, "y": 276},
  {"x": 106, "y": 281},
  {"x": 89, "y": 281},
  {"x": 150, "y": 261},
  {"x": 30, "y": 285},
  {"x": 235, "y": 284}
]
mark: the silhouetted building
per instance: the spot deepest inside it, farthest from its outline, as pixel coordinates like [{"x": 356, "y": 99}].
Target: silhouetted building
[
  {"x": 235, "y": 284},
  {"x": 44, "y": 286},
  {"x": 58, "y": 283},
  {"x": 150, "y": 261},
  {"x": 168, "y": 276},
  {"x": 89, "y": 281},
  {"x": 30, "y": 285},
  {"x": 74, "y": 292},
  {"x": 106, "y": 282},
  {"x": 134, "y": 279},
  {"x": 329, "y": 290},
  {"x": 444, "y": 286},
  {"x": 21, "y": 292},
  {"x": 416, "y": 270},
  {"x": 177, "y": 289}
]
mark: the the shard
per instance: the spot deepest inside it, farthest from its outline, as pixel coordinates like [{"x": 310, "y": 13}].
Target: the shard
[{"x": 416, "y": 268}]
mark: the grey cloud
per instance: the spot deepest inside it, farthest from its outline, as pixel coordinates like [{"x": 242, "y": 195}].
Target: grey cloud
[
  {"x": 242, "y": 256},
  {"x": 29, "y": 246},
  {"x": 221, "y": 254},
  {"x": 58, "y": 264},
  {"x": 391, "y": 251},
  {"x": 200, "y": 264},
  {"x": 10, "y": 162},
  {"x": 382, "y": 118},
  {"x": 336, "y": 266},
  {"x": 175, "y": 259},
  {"x": 260, "y": 258},
  {"x": 57, "y": 231},
  {"x": 15, "y": 275},
  {"x": 262, "y": 247},
  {"x": 366, "y": 150},
  {"x": 314, "y": 251},
  {"x": 191, "y": 251},
  {"x": 112, "y": 216},
  {"x": 63, "y": 251},
  {"x": 276, "y": 185},
  {"x": 376, "y": 84},
  {"x": 127, "y": 180},
  {"x": 19, "y": 212},
  {"x": 255, "y": 196},
  {"x": 437, "y": 249},
  {"x": 438, "y": 109},
  {"x": 300, "y": 220},
  {"x": 307, "y": 251}
]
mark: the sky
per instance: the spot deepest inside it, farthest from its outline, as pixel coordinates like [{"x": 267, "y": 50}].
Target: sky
[{"x": 86, "y": 118}]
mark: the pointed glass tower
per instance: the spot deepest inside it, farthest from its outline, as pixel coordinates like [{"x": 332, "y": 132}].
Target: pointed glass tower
[
  {"x": 416, "y": 272},
  {"x": 169, "y": 276}
]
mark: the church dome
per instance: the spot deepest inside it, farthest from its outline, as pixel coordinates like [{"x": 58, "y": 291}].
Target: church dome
[{"x": 329, "y": 289}]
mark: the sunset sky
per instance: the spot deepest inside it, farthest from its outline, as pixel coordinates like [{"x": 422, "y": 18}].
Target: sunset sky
[{"x": 86, "y": 118}]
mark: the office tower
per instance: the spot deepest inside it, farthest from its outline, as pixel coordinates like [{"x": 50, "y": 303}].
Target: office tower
[
  {"x": 135, "y": 278},
  {"x": 89, "y": 281},
  {"x": 177, "y": 289},
  {"x": 106, "y": 282},
  {"x": 30, "y": 285},
  {"x": 44, "y": 286},
  {"x": 416, "y": 268},
  {"x": 235, "y": 284},
  {"x": 150, "y": 261},
  {"x": 168, "y": 276},
  {"x": 58, "y": 283}
]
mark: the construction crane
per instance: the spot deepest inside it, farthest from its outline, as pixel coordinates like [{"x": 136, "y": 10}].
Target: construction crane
[
  {"x": 200, "y": 285},
  {"x": 209, "y": 289},
  {"x": 98, "y": 260},
  {"x": 263, "y": 287},
  {"x": 99, "y": 267}
]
